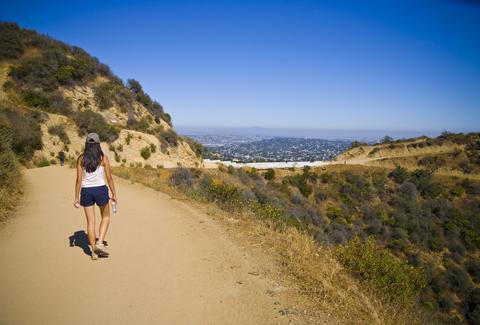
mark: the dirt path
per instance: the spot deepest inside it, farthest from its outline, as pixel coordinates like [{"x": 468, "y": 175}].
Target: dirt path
[{"x": 169, "y": 263}]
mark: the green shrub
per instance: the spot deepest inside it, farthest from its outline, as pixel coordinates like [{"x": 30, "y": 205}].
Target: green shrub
[
  {"x": 169, "y": 137},
  {"x": 35, "y": 98},
  {"x": 128, "y": 138},
  {"x": 356, "y": 144},
  {"x": 399, "y": 174},
  {"x": 65, "y": 74},
  {"x": 181, "y": 177},
  {"x": 59, "y": 130},
  {"x": 26, "y": 136},
  {"x": 153, "y": 148},
  {"x": 89, "y": 121},
  {"x": 103, "y": 96},
  {"x": 10, "y": 175},
  {"x": 145, "y": 153},
  {"x": 376, "y": 265},
  {"x": 269, "y": 174},
  {"x": 196, "y": 146},
  {"x": 42, "y": 162}
]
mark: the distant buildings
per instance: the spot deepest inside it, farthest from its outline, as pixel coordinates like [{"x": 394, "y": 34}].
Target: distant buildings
[{"x": 253, "y": 149}]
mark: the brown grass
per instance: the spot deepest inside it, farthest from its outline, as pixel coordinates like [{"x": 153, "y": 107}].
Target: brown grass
[{"x": 10, "y": 194}]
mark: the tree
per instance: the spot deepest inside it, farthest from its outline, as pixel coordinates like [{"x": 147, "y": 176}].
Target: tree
[
  {"x": 387, "y": 139},
  {"x": 270, "y": 174},
  {"x": 134, "y": 86}
]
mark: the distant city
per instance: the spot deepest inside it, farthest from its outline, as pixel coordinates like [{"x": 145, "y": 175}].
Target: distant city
[{"x": 254, "y": 148}]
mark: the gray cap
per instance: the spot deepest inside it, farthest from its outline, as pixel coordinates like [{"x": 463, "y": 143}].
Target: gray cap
[{"x": 93, "y": 138}]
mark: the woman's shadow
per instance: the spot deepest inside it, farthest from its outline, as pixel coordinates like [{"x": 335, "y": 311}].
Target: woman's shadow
[{"x": 80, "y": 239}]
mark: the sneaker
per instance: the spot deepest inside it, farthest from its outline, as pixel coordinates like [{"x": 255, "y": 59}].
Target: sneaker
[
  {"x": 94, "y": 256},
  {"x": 100, "y": 249}
]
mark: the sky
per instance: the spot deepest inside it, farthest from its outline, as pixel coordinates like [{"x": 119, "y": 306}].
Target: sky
[{"x": 350, "y": 65}]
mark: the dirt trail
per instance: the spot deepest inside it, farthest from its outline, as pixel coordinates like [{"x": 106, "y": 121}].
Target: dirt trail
[{"x": 169, "y": 263}]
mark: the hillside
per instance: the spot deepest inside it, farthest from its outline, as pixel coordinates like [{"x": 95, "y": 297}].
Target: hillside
[
  {"x": 450, "y": 153},
  {"x": 411, "y": 236},
  {"x": 52, "y": 94}
]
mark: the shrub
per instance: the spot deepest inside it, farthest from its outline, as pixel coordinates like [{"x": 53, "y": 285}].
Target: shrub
[
  {"x": 385, "y": 272},
  {"x": 59, "y": 105},
  {"x": 26, "y": 136},
  {"x": 90, "y": 121},
  {"x": 473, "y": 267},
  {"x": 196, "y": 146},
  {"x": 59, "y": 130},
  {"x": 35, "y": 98},
  {"x": 153, "y": 148},
  {"x": 356, "y": 144},
  {"x": 128, "y": 138},
  {"x": 145, "y": 153},
  {"x": 169, "y": 137},
  {"x": 269, "y": 174},
  {"x": 11, "y": 45},
  {"x": 223, "y": 192},
  {"x": 103, "y": 95},
  {"x": 181, "y": 177},
  {"x": 10, "y": 174},
  {"x": 399, "y": 174},
  {"x": 42, "y": 162},
  {"x": 424, "y": 183},
  {"x": 65, "y": 74}
]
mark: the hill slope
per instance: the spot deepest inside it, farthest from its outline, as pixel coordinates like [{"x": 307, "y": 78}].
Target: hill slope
[
  {"x": 69, "y": 93},
  {"x": 456, "y": 154}
]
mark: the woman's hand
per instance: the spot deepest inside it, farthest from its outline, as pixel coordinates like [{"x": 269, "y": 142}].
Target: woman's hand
[
  {"x": 114, "y": 198},
  {"x": 76, "y": 203}
]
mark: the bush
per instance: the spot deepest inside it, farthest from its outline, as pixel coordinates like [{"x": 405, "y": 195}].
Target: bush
[
  {"x": 169, "y": 137},
  {"x": 196, "y": 146},
  {"x": 35, "y": 98},
  {"x": 42, "y": 162},
  {"x": 145, "y": 153},
  {"x": 181, "y": 177},
  {"x": 356, "y": 144},
  {"x": 376, "y": 265},
  {"x": 59, "y": 130},
  {"x": 26, "y": 136},
  {"x": 10, "y": 174},
  {"x": 399, "y": 174},
  {"x": 103, "y": 96},
  {"x": 89, "y": 121},
  {"x": 153, "y": 148},
  {"x": 269, "y": 174}
]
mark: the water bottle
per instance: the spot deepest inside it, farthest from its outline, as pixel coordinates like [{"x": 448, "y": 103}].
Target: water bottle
[{"x": 114, "y": 207}]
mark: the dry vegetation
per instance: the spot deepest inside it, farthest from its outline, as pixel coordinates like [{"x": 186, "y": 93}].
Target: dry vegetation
[{"x": 327, "y": 289}]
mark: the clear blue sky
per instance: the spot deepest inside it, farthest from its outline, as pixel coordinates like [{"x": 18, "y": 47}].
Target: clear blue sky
[{"x": 408, "y": 65}]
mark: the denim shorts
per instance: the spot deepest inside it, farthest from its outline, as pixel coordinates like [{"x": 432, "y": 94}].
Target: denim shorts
[{"x": 91, "y": 195}]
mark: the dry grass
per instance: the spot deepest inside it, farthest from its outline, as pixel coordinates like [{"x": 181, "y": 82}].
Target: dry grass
[
  {"x": 10, "y": 194},
  {"x": 327, "y": 291}
]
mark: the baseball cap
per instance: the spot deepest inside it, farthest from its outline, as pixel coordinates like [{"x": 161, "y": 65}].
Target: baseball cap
[{"x": 93, "y": 138}]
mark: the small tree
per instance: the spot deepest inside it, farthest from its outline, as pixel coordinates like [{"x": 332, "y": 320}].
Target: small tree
[
  {"x": 145, "y": 152},
  {"x": 387, "y": 139},
  {"x": 270, "y": 174}
]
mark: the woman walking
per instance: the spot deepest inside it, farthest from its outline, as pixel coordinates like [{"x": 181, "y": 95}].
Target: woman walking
[{"x": 90, "y": 189}]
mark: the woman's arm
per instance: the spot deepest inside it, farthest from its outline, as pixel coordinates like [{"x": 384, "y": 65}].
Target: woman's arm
[
  {"x": 108, "y": 174},
  {"x": 78, "y": 182}
]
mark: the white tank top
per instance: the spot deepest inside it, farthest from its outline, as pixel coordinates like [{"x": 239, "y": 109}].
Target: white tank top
[{"x": 93, "y": 179}]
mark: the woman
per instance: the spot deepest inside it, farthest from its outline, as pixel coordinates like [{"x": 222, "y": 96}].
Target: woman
[{"x": 90, "y": 188}]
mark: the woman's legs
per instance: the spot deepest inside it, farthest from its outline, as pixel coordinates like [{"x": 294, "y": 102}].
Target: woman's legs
[
  {"x": 90, "y": 214},
  {"x": 105, "y": 212}
]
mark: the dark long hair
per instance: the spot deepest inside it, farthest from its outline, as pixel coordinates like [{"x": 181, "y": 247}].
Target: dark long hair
[{"x": 92, "y": 157}]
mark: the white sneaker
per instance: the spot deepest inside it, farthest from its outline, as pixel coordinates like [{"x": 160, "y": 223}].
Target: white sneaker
[{"x": 100, "y": 249}]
